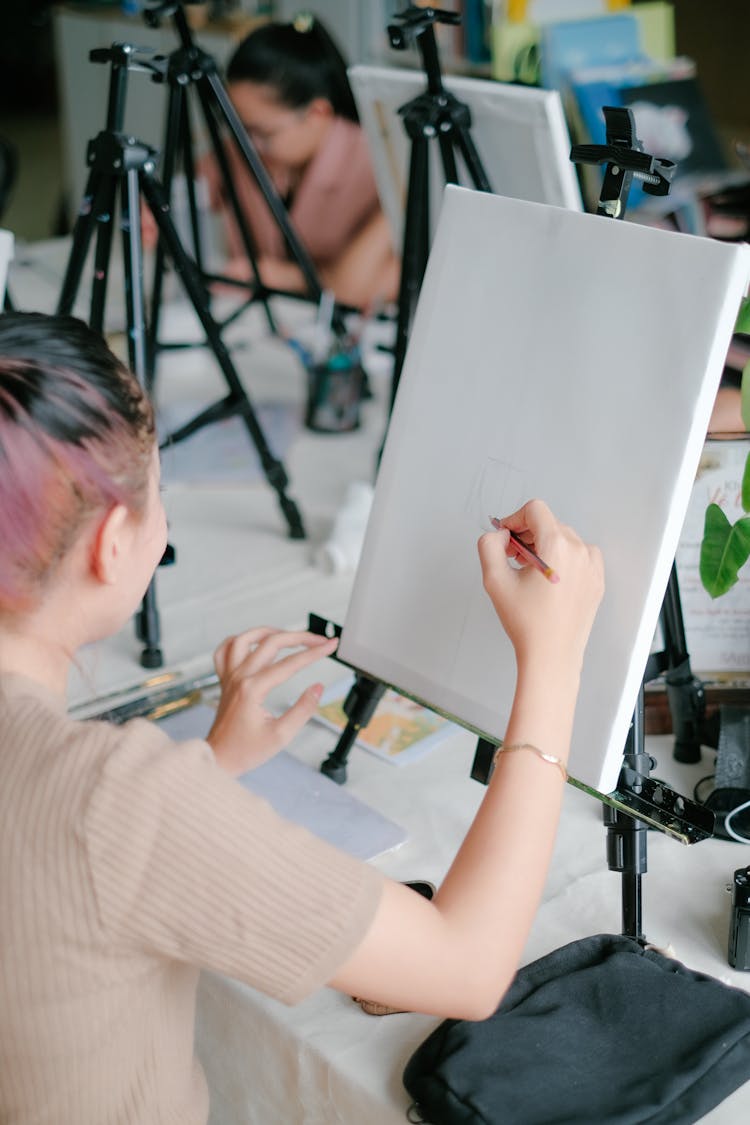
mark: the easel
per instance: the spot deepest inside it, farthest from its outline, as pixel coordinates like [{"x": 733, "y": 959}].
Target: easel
[
  {"x": 118, "y": 161},
  {"x": 638, "y": 801},
  {"x": 434, "y": 115},
  {"x": 437, "y": 115},
  {"x": 624, "y": 160},
  {"x": 190, "y": 67}
]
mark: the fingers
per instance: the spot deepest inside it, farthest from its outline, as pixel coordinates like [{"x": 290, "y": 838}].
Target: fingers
[
  {"x": 239, "y": 269},
  {"x": 292, "y": 721},
  {"x": 282, "y": 670},
  {"x": 255, "y": 648},
  {"x": 534, "y": 521},
  {"x": 493, "y": 558},
  {"x": 233, "y": 650},
  {"x": 538, "y": 528}
]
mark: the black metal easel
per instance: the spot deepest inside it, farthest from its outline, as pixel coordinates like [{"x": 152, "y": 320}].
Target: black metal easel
[
  {"x": 188, "y": 68},
  {"x": 624, "y": 160},
  {"x": 119, "y": 161},
  {"x": 639, "y": 800},
  {"x": 435, "y": 115}
]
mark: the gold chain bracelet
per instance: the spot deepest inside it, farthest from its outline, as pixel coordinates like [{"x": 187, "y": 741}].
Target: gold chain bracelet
[{"x": 553, "y": 761}]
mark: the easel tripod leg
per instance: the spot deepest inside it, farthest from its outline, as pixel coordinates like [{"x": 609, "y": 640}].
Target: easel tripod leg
[
  {"x": 626, "y": 835},
  {"x": 147, "y": 624},
  {"x": 359, "y": 707},
  {"x": 238, "y": 400}
]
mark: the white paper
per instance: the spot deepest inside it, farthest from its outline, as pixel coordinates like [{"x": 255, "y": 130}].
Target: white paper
[
  {"x": 559, "y": 355},
  {"x": 303, "y": 795}
]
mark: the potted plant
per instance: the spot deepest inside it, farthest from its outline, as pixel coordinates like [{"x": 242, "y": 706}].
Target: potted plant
[{"x": 725, "y": 547}]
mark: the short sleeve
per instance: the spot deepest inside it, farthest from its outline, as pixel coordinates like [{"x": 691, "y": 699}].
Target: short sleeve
[{"x": 188, "y": 864}]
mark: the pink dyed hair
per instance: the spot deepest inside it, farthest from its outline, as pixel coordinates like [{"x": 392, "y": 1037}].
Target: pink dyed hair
[{"x": 75, "y": 437}]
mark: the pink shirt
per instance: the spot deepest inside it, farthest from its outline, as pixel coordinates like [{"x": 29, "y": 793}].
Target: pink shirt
[{"x": 336, "y": 197}]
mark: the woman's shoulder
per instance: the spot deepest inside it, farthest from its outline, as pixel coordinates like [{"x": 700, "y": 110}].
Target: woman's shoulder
[
  {"x": 35, "y": 725},
  {"x": 348, "y": 142},
  {"x": 343, "y": 168}
]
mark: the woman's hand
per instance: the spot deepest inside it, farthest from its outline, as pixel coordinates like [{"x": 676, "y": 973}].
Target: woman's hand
[
  {"x": 274, "y": 273},
  {"x": 249, "y": 666},
  {"x": 547, "y": 623},
  {"x": 149, "y": 229}
]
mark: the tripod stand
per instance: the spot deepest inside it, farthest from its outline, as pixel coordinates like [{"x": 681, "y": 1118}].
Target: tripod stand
[
  {"x": 624, "y": 160},
  {"x": 120, "y": 161},
  {"x": 190, "y": 67},
  {"x": 638, "y": 800},
  {"x": 433, "y": 115}
]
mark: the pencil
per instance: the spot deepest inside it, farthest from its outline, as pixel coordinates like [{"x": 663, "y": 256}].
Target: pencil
[{"x": 527, "y": 554}]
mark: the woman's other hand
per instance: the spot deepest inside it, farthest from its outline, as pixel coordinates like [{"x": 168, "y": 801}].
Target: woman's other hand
[{"x": 250, "y": 665}]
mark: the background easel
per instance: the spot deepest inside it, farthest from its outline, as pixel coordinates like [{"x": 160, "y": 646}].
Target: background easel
[
  {"x": 191, "y": 69},
  {"x": 122, "y": 173},
  {"x": 436, "y": 115},
  {"x": 637, "y": 799}
]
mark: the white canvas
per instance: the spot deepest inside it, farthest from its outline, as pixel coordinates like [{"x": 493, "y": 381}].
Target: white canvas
[
  {"x": 559, "y": 355},
  {"x": 519, "y": 132},
  {"x": 6, "y": 256}
]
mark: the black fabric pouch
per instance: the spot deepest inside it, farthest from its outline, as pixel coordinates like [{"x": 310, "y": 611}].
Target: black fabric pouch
[
  {"x": 732, "y": 778},
  {"x": 599, "y": 1031}
]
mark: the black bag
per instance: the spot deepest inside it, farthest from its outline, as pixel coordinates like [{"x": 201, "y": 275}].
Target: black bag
[
  {"x": 601, "y": 1031},
  {"x": 732, "y": 779}
]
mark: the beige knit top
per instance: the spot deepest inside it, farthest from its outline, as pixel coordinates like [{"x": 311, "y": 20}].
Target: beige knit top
[{"x": 128, "y": 862}]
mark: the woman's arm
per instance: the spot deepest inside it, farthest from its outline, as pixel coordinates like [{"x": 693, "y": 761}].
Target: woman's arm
[
  {"x": 367, "y": 272},
  {"x": 457, "y": 955}
]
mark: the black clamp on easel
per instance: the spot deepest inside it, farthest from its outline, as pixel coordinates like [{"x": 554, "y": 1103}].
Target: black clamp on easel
[
  {"x": 624, "y": 161},
  {"x": 119, "y": 161},
  {"x": 435, "y": 115},
  {"x": 359, "y": 705}
]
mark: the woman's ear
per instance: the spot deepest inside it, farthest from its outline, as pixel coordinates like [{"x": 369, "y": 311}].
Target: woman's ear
[
  {"x": 107, "y": 547},
  {"x": 320, "y": 109}
]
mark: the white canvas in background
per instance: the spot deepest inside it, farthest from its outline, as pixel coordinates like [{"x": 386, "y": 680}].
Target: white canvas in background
[
  {"x": 6, "y": 254},
  {"x": 559, "y": 355},
  {"x": 519, "y": 132}
]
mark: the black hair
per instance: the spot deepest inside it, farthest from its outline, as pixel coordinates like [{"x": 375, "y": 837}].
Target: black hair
[{"x": 300, "y": 61}]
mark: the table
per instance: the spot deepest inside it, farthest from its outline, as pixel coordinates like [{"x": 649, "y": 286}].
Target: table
[{"x": 327, "y": 1061}]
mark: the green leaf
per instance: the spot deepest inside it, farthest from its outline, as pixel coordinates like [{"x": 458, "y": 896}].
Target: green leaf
[
  {"x": 746, "y": 485},
  {"x": 724, "y": 550},
  {"x": 742, "y": 323}
]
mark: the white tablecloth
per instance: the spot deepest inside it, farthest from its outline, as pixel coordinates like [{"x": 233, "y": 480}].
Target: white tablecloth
[{"x": 326, "y": 1061}]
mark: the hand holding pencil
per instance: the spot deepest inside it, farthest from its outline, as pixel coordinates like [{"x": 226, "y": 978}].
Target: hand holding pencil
[
  {"x": 546, "y": 606},
  {"x": 525, "y": 554}
]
